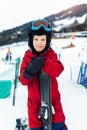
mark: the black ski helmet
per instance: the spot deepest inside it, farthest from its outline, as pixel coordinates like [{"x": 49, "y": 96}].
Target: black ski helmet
[{"x": 39, "y": 30}]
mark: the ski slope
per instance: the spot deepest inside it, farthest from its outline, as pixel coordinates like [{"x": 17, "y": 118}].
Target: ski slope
[{"x": 73, "y": 95}]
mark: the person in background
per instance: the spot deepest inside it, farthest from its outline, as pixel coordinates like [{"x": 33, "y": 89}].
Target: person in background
[
  {"x": 41, "y": 57},
  {"x": 8, "y": 55}
]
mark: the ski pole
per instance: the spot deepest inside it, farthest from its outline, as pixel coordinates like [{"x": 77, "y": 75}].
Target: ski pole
[{"x": 16, "y": 78}]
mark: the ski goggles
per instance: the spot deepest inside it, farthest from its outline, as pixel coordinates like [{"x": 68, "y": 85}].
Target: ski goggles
[{"x": 41, "y": 23}]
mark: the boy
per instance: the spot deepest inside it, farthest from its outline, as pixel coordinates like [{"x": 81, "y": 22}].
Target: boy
[{"x": 41, "y": 57}]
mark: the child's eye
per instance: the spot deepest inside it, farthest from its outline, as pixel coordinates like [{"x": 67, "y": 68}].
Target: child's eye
[
  {"x": 43, "y": 39},
  {"x": 36, "y": 39}
]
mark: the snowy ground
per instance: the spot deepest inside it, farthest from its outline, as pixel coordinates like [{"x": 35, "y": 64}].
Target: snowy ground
[{"x": 73, "y": 95}]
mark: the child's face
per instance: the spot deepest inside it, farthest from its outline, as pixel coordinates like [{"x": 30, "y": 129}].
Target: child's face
[{"x": 39, "y": 42}]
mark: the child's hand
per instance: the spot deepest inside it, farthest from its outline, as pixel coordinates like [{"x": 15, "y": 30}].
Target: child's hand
[{"x": 35, "y": 65}]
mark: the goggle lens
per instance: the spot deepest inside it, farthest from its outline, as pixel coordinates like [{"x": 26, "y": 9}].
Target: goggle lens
[{"x": 41, "y": 23}]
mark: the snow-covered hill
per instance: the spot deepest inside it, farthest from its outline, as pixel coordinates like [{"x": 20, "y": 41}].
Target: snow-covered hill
[
  {"x": 73, "y": 19},
  {"x": 69, "y": 22}
]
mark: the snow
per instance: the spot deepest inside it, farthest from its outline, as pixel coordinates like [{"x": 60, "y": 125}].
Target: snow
[
  {"x": 73, "y": 95},
  {"x": 68, "y": 21}
]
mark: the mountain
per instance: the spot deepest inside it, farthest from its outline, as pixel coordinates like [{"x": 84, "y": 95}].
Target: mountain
[
  {"x": 78, "y": 11},
  {"x": 69, "y": 20}
]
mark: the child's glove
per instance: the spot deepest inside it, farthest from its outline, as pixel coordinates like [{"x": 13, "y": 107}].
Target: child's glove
[{"x": 34, "y": 66}]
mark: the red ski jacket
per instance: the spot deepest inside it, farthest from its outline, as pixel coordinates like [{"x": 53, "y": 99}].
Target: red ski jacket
[{"x": 53, "y": 67}]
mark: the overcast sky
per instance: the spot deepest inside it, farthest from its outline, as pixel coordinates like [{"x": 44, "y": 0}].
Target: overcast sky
[{"x": 17, "y": 12}]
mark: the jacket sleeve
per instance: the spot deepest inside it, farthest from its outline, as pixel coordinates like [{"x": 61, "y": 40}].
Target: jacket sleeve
[
  {"x": 53, "y": 66},
  {"x": 23, "y": 66}
]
